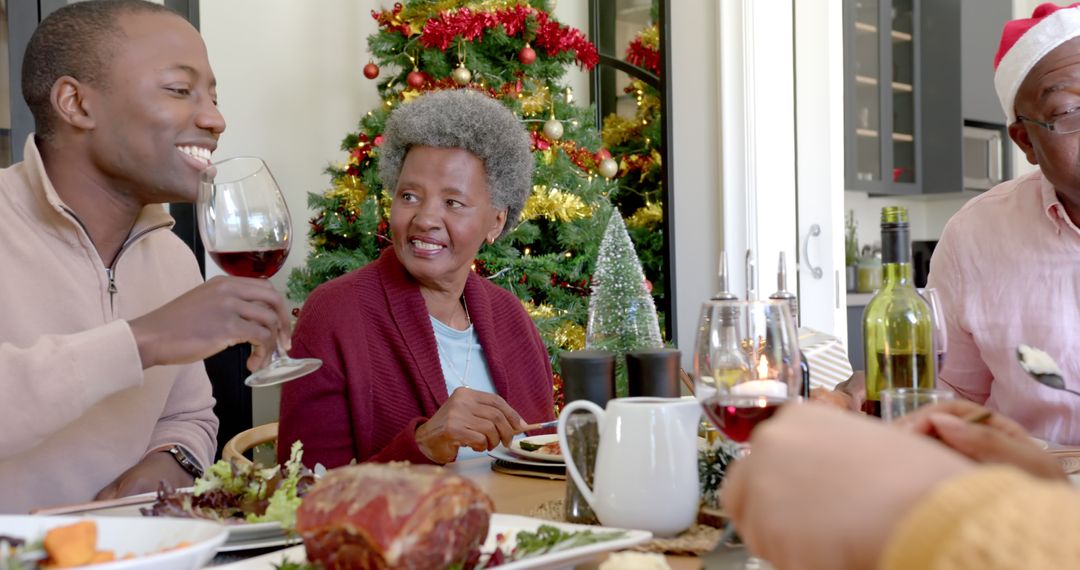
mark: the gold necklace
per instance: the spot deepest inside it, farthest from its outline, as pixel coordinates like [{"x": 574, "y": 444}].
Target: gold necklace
[{"x": 464, "y": 380}]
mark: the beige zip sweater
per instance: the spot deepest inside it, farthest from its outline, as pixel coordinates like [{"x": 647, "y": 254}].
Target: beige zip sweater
[{"x": 76, "y": 407}]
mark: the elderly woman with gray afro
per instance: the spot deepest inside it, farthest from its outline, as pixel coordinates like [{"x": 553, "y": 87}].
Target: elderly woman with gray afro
[{"x": 424, "y": 360}]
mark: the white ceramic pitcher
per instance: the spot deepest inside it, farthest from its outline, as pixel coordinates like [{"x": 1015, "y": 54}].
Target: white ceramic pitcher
[{"x": 646, "y": 473}]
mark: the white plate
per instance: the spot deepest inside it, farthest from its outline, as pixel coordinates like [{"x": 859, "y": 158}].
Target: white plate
[
  {"x": 143, "y": 537},
  {"x": 515, "y": 446},
  {"x": 508, "y": 525},
  {"x": 245, "y": 532},
  {"x": 504, "y": 454},
  {"x": 253, "y": 544},
  {"x": 240, "y": 534}
]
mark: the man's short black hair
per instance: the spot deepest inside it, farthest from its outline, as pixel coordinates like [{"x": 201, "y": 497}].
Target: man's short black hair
[{"x": 77, "y": 40}]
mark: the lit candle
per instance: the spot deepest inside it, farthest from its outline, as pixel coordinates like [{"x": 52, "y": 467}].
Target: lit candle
[
  {"x": 764, "y": 386},
  {"x": 770, "y": 388}
]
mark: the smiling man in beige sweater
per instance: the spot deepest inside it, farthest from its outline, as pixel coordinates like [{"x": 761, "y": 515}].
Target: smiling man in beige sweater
[{"x": 105, "y": 319}]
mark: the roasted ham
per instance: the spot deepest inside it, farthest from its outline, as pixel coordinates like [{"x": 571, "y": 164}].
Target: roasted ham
[{"x": 393, "y": 516}]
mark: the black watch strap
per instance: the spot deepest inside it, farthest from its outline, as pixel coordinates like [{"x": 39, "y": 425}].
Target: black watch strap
[{"x": 186, "y": 460}]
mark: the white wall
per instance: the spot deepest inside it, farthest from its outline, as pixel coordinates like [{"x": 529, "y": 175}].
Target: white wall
[
  {"x": 290, "y": 87},
  {"x": 695, "y": 168},
  {"x": 927, "y": 215}
]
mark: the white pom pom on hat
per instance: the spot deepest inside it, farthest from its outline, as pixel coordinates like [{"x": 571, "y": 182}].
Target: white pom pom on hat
[{"x": 1026, "y": 41}]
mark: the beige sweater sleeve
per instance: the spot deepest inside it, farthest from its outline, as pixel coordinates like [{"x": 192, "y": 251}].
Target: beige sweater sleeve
[
  {"x": 56, "y": 380},
  {"x": 993, "y": 518}
]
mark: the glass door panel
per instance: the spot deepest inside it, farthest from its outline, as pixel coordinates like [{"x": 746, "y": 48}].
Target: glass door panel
[
  {"x": 904, "y": 131},
  {"x": 867, "y": 66}
]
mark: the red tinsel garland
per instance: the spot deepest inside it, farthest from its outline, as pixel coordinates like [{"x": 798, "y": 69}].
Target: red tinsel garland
[
  {"x": 553, "y": 37},
  {"x": 642, "y": 56}
]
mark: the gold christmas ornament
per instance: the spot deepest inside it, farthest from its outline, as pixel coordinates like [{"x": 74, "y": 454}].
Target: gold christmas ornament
[
  {"x": 553, "y": 129},
  {"x": 608, "y": 168},
  {"x": 461, "y": 75}
]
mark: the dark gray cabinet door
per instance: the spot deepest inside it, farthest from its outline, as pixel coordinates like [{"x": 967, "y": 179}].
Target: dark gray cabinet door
[{"x": 980, "y": 35}]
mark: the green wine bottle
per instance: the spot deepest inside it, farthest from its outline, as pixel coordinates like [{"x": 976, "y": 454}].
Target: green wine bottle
[{"x": 897, "y": 327}]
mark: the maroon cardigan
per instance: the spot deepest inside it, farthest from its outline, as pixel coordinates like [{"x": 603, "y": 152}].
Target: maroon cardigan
[{"x": 381, "y": 376}]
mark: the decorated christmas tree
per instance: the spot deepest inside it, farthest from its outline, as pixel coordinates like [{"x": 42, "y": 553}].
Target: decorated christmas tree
[
  {"x": 622, "y": 316},
  {"x": 515, "y": 52},
  {"x": 634, "y": 143}
]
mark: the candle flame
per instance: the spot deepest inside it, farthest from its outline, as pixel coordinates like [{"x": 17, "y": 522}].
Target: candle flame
[{"x": 762, "y": 367}]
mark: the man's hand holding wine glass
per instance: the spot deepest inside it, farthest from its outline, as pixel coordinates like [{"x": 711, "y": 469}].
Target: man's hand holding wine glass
[{"x": 212, "y": 317}]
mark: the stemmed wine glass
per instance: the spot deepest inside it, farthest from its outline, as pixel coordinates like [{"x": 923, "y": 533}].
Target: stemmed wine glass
[
  {"x": 246, "y": 228},
  {"x": 937, "y": 315},
  {"x": 746, "y": 364}
]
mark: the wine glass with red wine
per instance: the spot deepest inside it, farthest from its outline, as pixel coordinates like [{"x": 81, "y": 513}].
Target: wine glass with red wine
[
  {"x": 746, "y": 364},
  {"x": 246, "y": 229},
  {"x": 941, "y": 331}
]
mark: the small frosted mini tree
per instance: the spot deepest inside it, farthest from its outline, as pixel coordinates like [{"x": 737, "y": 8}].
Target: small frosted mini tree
[{"x": 622, "y": 315}]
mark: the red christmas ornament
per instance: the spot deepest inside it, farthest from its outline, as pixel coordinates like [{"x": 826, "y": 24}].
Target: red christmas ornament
[
  {"x": 415, "y": 79},
  {"x": 648, "y": 286},
  {"x": 602, "y": 155},
  {"x": 371, "y": 71},
  {"x": 527, "y": 55}
]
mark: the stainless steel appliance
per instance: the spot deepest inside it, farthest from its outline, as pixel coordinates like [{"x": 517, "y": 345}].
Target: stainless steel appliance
[{"x": 984, "y": 157}]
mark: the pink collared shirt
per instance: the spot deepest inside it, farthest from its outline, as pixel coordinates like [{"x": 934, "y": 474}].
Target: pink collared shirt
[{"x": 1008, "y": 272}]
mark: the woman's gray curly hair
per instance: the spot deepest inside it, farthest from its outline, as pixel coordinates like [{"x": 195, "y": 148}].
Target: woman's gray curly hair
[{"x": 466, "y": 119}]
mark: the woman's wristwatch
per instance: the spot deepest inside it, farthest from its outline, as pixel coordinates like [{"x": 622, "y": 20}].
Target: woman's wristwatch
[{"x": 186, "y": 460}]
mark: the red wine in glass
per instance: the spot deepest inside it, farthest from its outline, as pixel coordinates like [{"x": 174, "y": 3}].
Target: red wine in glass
[
  {"x": 246, "y": 228},
  {"x": 738, "y": 415},
  {"x": 253, "y": 263}
]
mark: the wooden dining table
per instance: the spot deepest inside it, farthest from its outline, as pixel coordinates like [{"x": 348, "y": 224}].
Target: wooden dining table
[{"x": 521, "y": 495}]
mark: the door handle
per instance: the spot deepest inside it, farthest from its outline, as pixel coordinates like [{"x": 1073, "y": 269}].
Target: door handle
[{"x": 817, "y": 272}]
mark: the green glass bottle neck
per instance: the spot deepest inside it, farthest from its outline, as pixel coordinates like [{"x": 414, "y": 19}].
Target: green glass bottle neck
[
  {"x": 896, "y": 275},
  {"x": 896, "y": 255}
]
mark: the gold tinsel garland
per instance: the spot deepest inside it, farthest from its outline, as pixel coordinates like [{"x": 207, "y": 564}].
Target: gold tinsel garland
[
  {"x": 617, "y": 130},
  {"x": 650, "y": 37},
  {"x": 541, "y": 311},
  {"x": 350, "y": 190},
  {"x": 555, "y": 205},
  {"x": 535, "y": 103},
  {"x": 647, "y": 216},
  {"x": 570, "y": 336}
]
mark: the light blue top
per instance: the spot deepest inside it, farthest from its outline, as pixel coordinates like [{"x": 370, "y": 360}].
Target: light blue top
[{"x": 454, "y": 348}]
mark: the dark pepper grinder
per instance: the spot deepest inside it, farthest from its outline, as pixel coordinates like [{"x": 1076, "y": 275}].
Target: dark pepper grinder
[
  {"x": 653, "y": 372},
  {"x": 587, "y": 375}
]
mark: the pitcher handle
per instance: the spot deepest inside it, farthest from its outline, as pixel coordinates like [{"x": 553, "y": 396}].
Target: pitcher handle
[{"x": 571, "y": 468}]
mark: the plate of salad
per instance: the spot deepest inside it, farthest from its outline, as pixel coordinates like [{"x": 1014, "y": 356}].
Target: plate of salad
[{"x": 256, "y": 503}]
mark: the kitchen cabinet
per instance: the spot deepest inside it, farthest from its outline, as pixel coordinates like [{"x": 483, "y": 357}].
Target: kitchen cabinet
[
  {"x": 979, "y": 37},
  {"x": 883, "y": 102},
  {"x": 915, "y": 73}
]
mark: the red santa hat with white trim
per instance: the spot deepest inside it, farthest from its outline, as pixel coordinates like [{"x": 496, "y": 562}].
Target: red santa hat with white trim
[{"x": 1026, "y": 41}]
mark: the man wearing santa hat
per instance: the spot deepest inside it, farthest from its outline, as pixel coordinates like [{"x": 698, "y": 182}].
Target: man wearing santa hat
[{"x": 1008, "y": 263}]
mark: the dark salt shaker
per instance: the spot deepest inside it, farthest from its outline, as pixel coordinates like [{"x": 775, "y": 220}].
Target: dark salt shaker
[
  {"x": 587, "y": 375},
  {"x": 653, "y": 372}
]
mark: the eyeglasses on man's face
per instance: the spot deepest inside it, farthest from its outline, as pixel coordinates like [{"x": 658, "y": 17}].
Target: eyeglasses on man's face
[{"x": 1066, "y": 124}]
